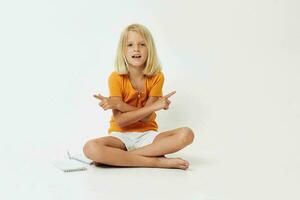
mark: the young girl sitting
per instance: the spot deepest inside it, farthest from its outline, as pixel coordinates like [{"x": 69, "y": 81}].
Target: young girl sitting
[{"x": 135, "y": 89}]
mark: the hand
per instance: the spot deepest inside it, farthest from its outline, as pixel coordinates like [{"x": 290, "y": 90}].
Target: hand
[
  {"x": 107, "y": 102},
  {"x": 163, "y": 102}
]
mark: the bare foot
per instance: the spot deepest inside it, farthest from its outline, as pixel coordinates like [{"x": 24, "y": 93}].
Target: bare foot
[
  {"x": 97, "y": 164},
  {"x": 177, "y": 163}
]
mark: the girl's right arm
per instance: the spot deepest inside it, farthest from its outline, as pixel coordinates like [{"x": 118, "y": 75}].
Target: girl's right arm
[
  {"x": 124, "y": 107},
  {"x": 116, "y": 103},
  {"x": 125, "y": 119}
]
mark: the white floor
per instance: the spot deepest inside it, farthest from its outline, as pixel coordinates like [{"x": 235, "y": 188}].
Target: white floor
[
  {"x": 228, "y": 169},
  {"x": 234, "y": 66}
]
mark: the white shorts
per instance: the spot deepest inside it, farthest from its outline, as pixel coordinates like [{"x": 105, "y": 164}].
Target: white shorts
[{"x": 134, "y": 140}]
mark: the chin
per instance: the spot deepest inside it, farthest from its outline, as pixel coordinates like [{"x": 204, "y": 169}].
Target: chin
[{"x": 138, "y": 65}]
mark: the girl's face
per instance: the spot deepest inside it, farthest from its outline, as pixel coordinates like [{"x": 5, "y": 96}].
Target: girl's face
[{"x": 136, "y": 51}]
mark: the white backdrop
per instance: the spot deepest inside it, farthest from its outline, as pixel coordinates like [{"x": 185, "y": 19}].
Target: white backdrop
[{"x": 234, "y": 65}]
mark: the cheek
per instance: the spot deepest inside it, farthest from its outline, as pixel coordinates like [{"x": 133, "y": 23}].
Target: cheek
[
  {"x": 145, "y": 53},
  {"x": 127, "y": 55}
]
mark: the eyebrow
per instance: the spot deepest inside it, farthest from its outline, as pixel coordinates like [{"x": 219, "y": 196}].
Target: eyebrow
[{"x": 138, "y": 42}]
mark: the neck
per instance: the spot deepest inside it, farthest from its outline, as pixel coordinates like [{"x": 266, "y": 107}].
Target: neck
[{"x": 135, "y": 73}]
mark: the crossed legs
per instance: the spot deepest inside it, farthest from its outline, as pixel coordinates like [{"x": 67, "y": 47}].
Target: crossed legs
[{"x": 111, "y": 151}]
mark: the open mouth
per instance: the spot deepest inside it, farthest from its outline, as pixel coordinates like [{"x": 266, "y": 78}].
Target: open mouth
[{"x": 136, "y": 56}]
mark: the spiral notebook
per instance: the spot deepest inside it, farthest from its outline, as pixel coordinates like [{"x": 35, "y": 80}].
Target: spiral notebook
[
  {"x": 73, "y": 163},
  {"x": 80, "y": 158},
  {"x": 68, "y": 165}
]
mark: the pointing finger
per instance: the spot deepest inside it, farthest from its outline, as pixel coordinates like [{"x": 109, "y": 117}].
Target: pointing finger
[
  {"x": 99, "y": 96},
  {"x": 169, "y": 95}
]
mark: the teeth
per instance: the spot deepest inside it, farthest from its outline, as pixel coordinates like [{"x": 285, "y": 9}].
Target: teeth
[{"x": 136, "y": 56}]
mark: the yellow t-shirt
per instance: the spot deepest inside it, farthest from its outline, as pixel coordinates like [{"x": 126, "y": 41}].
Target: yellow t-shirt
[{"x": 120, "y": 85}]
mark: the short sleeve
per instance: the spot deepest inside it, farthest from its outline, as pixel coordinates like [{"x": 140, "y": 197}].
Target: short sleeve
[
  {"x": 157, "y": 84},
  {"x": 115, "y": 84}
]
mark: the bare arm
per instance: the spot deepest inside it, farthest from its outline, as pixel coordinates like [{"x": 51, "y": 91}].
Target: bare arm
[
  {"x": 115, "y": 102},
  {"x": 126, "y": 108},
  {"x": 130, "y": 117},
  {"x": 125, "y": 119}
]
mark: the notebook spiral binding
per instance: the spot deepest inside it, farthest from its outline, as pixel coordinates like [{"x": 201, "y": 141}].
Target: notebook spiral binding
[{"x": 74, "y": 170}]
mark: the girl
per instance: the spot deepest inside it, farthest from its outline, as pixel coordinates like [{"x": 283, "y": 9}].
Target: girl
[{"x": 135, "y": 95}]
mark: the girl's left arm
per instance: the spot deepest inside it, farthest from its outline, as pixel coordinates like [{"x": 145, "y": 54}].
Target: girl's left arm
[
  {"x": 150, "y": 101},
  {"x": 115, "y": 102},
  {"x": 124, "y": 107}
]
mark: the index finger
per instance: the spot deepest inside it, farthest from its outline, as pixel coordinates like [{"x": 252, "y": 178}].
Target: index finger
[
  {"x": 100, "y": 97},
  {"x": 169, "y": 95}
]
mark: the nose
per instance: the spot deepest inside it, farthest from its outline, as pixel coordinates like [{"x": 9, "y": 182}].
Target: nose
[{"x": 136, "y": 48}]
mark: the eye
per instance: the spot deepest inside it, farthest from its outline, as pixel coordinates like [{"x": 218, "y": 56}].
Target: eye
[
  {"x": 129, "y": 45},
  {"x": 143, "y": 44}
]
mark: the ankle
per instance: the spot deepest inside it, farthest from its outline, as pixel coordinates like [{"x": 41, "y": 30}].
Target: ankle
[
  {"x": 135, "y": 151},
  {"x": 157, "y": 161}
]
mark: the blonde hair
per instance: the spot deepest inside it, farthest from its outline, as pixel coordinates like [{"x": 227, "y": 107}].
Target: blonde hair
[{"x": 152, "y": 66}]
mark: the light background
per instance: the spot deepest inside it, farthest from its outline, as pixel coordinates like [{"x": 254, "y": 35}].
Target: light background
[{"x": 234, "y": 65}]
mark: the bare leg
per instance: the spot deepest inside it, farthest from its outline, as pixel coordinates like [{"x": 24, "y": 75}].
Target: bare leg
[
  {"x": 167, "y": 142},
  {"x": 111, "y": 151}
]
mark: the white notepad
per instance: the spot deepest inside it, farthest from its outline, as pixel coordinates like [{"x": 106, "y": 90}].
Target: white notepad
[
  {"x": 68, "y": 165},
  {"x": 71, "y": 163},
  {"x": 80, "y": 158}
]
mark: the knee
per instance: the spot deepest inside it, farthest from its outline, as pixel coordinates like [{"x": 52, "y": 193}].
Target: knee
[
  {"x": 88, "y": 149},
  {"x": 186, "y": 135},
  {"x": 91, "y": 148}
]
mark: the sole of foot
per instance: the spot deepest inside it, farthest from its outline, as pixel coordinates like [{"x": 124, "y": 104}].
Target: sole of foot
[{"x": 177, "y": 163}]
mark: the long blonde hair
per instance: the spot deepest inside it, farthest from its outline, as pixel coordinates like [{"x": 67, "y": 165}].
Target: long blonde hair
[{"x": 152, "y": 66}]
